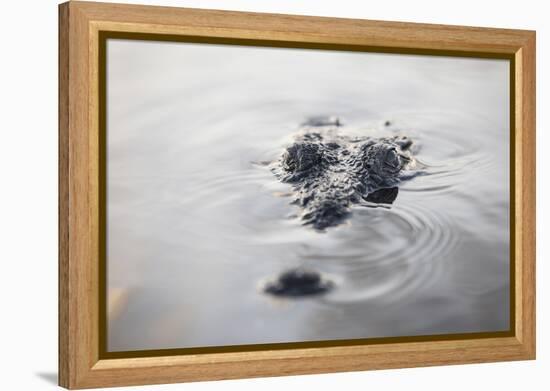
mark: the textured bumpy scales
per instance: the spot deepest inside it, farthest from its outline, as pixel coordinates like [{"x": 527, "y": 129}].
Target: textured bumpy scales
[{"x": 330, "y": 171}]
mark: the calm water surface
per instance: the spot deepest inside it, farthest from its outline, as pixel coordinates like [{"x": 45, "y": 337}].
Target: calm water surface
[{"x": 196, "y": 225}]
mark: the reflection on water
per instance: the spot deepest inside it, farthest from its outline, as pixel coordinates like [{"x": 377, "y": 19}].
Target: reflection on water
[{"x": 196, "y": 227}]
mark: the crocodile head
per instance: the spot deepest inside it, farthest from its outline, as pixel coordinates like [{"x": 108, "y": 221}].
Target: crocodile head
[{"x": 330, "y": 172}]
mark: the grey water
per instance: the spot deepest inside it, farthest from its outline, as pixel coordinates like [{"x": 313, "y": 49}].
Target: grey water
[{"x": 196, "y": 224}]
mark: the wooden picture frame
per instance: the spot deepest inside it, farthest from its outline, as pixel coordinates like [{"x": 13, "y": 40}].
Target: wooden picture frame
[{"x": 82, "y": 28}]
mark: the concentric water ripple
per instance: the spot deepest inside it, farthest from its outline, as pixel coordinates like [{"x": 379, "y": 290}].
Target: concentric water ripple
[{"x": 399, "y": 250}]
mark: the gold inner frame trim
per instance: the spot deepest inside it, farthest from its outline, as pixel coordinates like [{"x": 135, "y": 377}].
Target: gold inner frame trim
[{"x": 104, "y": 35}]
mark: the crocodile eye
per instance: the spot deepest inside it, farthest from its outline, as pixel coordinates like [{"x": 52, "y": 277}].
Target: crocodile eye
[
  {"x": 384, "y": 160},
  {"x": 301, "y": 157},
  {"x": 392, "y": 160},
  {"x": 289, "y": 160}
]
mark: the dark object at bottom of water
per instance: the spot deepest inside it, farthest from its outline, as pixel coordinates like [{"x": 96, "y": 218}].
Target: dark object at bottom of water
[
  {"x": 383, "y": 196},
  {"x": 299, "y": 282}
]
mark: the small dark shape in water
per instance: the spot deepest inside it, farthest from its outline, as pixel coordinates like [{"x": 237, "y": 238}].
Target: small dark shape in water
[
  {"x": 387, "y": 123},
  {"x": 323, "y": 121},
  {"x": 383, "y": 196},
  {"x": 330, "y": 171},
  {"x": 299, "y": 282}
]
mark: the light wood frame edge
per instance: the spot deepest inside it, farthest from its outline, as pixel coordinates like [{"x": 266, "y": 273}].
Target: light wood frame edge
[{"x": 79, "y": 364}]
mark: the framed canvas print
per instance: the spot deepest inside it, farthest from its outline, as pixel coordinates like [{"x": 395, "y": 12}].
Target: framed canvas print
[{"x": 249, "y": 194}]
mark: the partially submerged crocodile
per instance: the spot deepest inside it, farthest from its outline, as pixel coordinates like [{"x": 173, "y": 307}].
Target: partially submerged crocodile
[{"x": 331, "y": 171}]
